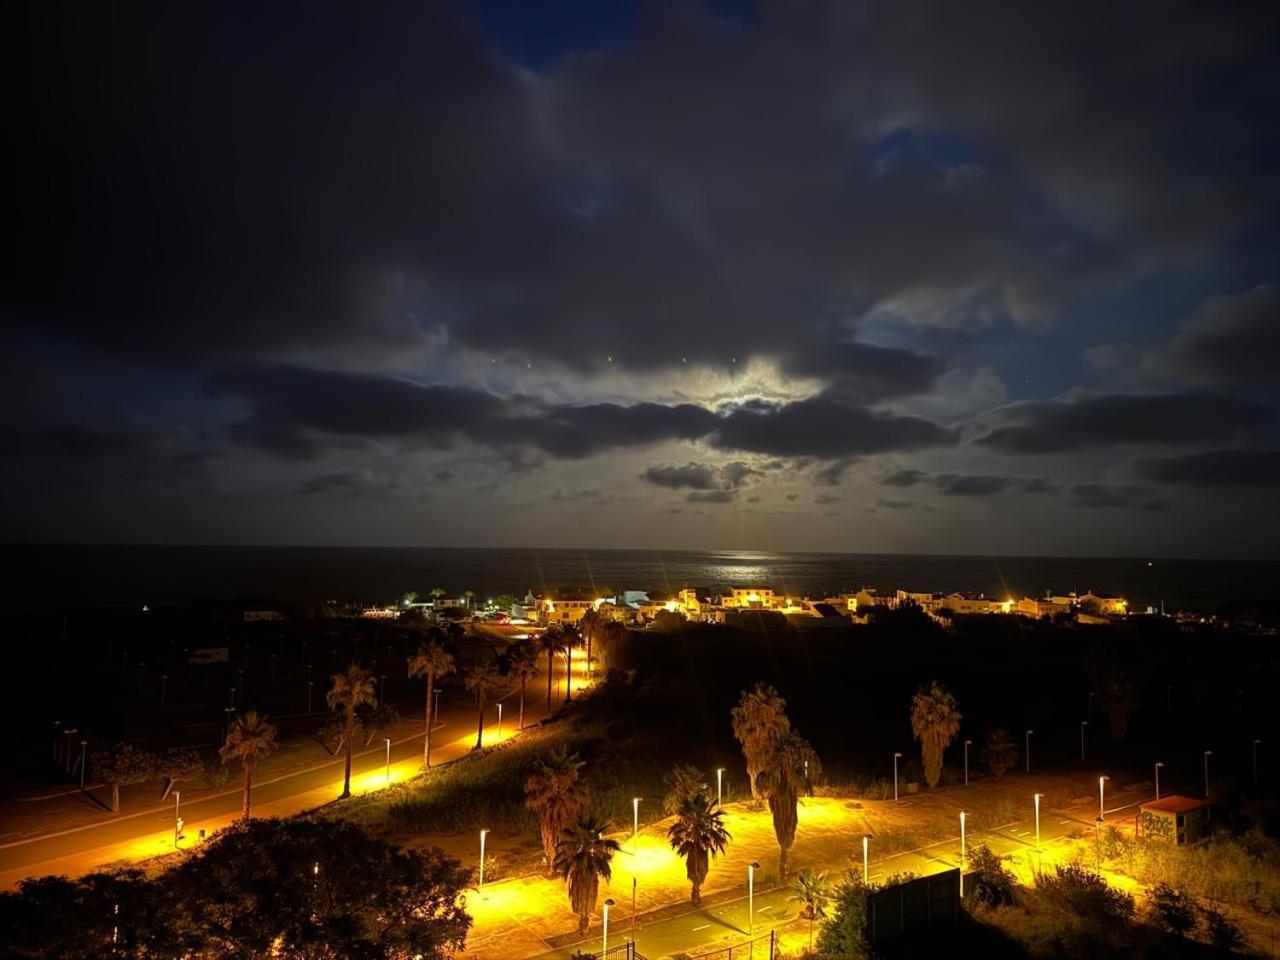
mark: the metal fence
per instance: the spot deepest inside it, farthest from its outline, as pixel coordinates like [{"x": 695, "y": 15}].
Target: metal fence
[{"x": 761, "y": 948}]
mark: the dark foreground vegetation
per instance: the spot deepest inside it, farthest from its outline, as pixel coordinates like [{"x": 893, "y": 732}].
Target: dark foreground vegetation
[{"x": 299, "y": 888}]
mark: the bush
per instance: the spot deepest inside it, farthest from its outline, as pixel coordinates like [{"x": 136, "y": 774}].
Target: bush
[
  {"x": 991, "y": 884},
  {"x": 999, "y": 755},
  {"x": 844, "y": 934},
  {"x": 1085, "y": 893},
  {"x": 1172, "y": 910},
  {"x": 1224, "y": 933}
]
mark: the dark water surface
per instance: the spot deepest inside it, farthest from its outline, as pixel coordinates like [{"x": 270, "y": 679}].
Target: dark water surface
[{"x": 41, "y": 575}]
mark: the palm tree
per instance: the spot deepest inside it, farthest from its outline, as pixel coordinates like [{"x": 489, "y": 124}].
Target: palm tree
[
  {"x": 522, "y": 660},
  {"x": 590, "y": 623},
  {"x": 249, "y": 739},
  {"x": 483, "y": 679},
  {"x": 790, "y": 760},
  {"x": 352, "y": 689},
  {"x": 758, "y": 719},
  {"x": 432, "y": 661},
  {"x": 813, "y": 893},
  {"x": 552, "y": 643},
  {"x": 685, "y": 782},
  {"x": 935, "y": 721},
  {"x": 698, "y": 834},
  {"x": 582, "y": 858},
  {"x": 571, "y": 640},
  {"x": 556, "y": 792}
]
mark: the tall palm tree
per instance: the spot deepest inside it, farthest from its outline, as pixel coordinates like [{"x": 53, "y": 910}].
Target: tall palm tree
[
  {"x": 589, "y": 625},
  {"x": 552, "y": 643},
  {"x": 432, "y": 661},
  {"x": 522, "y": 661},
  {"x": 582, "y": 858},
  {"x": 351, "y": 689},
  {"x": 758, "y": 719},
  {"x": 790, "y": 760},
  {"x": 483, "y": 679},
  {"x": 698, "y": 834},
  {"x": 813, "y": 893},
  {"x": 684, "y": 782},
  {"x": 572, "y": 640},
  {"x": 556, "y": 792},
  {"x": 935, "y": 721},
  {"x": 249, "y": 739}
]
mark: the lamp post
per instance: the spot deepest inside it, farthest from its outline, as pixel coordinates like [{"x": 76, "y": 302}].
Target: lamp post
[
  {"x": 1083, "y": 725},
  {"x": 896, "y": 758},
  {"x": 604, "y": 938},
  {"x": 1037, "y": 800},
  {"x": 1255, "y": 759},
  {"x": 751, "y": 897},
  {"x": 436, "y": 711},
  {"x": 719, "y": 786},
  {"x": 480, "y": 883},
  {"x": 866, "y": 870},
  {"x": 1207, "y": 755},
  {"x": 310, "y": 688},
  {"x": 962, "y": 853},
  {"x": 85, "y": 743},
  {"x": 388, "y": 740},
  {"x": 1097, "y": 841},
  {"x": 68, "y": 749},
  {"x": 1089, "y": 711},
  {"x": 1028, "y": 751},
  {"x": 1102, "y": 794},
  {"x": 499, "y": 722},
  {"x": 967, "y": 744},
  {"x": 635, "y": 819},
  {"x": 1159, "y": 764}
]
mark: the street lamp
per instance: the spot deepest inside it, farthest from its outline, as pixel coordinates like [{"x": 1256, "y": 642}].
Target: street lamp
[
  {"x": 962, "y": 852},
  {"x": 1083, "y": 725},
  {"x": 1037, "y": 800},
  {"x": 310, "y": 688},
  {"x": 719, "y": 786},
  {"x": 635, "y": 819},
  {"x": 1090, "y": 707},
  {"x": 866, "y": 873},
  {"x": 896, "y": 758},
  {"x": 499, "y": 723},
  {"x": 68, "y": 750},
  {"x": 436, "y": 712},
  {"x": 1159, "y": 764},
  {"x": 1207, "y": 755},
  {"x": 1255, "y": 759},
  {"x": 604, "y": 939},
  {"x": 388, "y": 739},
  {"x": 85, "y": 743},
  {"x": 1102, "y": 793},
  {"x": 1097, "y": 840},
  {"x": 1029, "y": 733},
  {"x": 751, "y": 897},
  {"x": 967, "y": 744},
  {"x": 480, "y": 883}
]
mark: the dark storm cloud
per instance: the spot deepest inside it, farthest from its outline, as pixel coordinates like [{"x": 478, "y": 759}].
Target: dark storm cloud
[
  {"x": 1229, "y": 340},
  {"x": 832, "y": 474},
  {"x": 290, "y": 408},
  {"x": 1120, "y": 420},
  {"x": 315, "y": 180},
  {"x": 1103, "y": 496},
  {"x": 1245, "y": 468},
  {"x": 903, "y": 478},
  {"x": 695, "y": 476},
  {"x": 969, "y": 484}
]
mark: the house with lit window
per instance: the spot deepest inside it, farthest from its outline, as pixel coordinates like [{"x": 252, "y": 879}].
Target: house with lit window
[
  {"x": 749, "y": 598},
  {"x": 1105, "y": 605}
]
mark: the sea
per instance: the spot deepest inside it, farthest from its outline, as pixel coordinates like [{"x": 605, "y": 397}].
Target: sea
[{"x": 43, "y": 576}]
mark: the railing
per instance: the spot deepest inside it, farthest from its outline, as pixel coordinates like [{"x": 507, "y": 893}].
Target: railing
[{"x": 743, "y": 951}]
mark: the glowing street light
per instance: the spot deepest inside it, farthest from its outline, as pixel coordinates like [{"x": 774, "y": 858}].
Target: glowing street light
[
  {"x": 388, "y": 740},
  {"x": 751, "y": 897},
  {"x": 896, "y": 758},
  {"x": 635, "y": 819},
  {"x": 719, "y": 786},
  {"x": 310, "y": 687},
  {"x": 480, "y": 883},
  {"x": 1102, "y": 793},
  {"x": 1159, "y": 764},
  {"x": 1037, "y": 800},
  {"x": 1029, "y": 733},
  {"x": 1207, "y": 755},
  {"x": 967, "y": 744},
  {"x": 1083, "y": 725},
  {"x": 962, "y": 852},
  {"x": 499, "y": 722},
  {"x": 604, "y": 938},
  {"x": 866, "y": 871}
]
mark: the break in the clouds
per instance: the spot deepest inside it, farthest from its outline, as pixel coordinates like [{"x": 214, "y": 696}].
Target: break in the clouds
[{"x": 266, "y": 260}]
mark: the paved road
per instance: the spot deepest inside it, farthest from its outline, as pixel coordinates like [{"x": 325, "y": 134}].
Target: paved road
[
  {"x": 717, "y": 927},
  {"x": 150, "y": 832}
]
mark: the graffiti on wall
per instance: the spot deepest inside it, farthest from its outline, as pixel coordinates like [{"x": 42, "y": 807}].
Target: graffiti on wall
[{"x": 1155, "y": 826}]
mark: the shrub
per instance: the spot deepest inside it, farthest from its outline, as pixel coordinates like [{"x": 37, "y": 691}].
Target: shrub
[
  {"x": 999, "y": 755},
  {"x": 1172, "y": 910},
  {"x": 991, "y": 884},
  {"x": 844, "y": 934},
  {"x": 1223, "y": 932},
  {"x": 1083, "y": 892}
]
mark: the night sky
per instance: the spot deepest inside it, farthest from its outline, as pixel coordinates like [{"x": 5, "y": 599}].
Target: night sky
[{"x": 928, "y": 277}]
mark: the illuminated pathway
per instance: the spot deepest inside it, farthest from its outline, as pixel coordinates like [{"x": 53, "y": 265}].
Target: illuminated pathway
[{"x": 132, "y": 836}]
